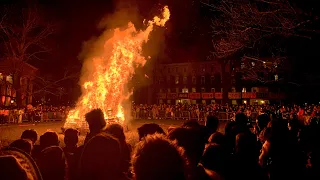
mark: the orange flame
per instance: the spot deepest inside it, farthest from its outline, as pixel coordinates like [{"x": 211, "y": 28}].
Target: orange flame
[{"x": 111, "y": 69}]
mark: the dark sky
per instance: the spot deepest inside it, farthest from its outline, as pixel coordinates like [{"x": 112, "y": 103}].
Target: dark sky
[{"x": 187, "y": 36}]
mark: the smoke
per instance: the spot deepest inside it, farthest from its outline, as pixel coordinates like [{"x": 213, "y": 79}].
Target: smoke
[{"x": 118, "y": 40}]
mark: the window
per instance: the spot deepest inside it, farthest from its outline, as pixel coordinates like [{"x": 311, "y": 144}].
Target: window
[
  {"x": 177, "y": 90},
  {"x": 213, "y": 90},
  {"x": 203, "y": 90},
  {"x": 234, "y": 102},
  {"x": 160, "y": 90},
  {"x": 193, "y": 90},
  {"x": 160, "y": 101},
  {"x": 212, "y": 80},
  {"x": 244, "y": 89},
  {"x": 203, "y": 80},
  {"x": 169, "y": 90},
  {"x": 176, "y": 69},
  {"x": 221, "y": 89},
  {"x": 203, "y": 101},
  {"x": 184, "y": 69},
  {"x": 194, "y": 80},
  {"x": 185, "y": 90},
  {"x": 254, "y": 89},
  {"x": 9, "y": 79},
  {"x": 276, "y": 78},
  {"x": 213, "y": 101},
  {"x": 1, "y": 77},
  {"x": 185, "y": 79},
  {"x": 233, "y": 89},
  {"x": 168, "y": 101},
  {"x": 242, "y": 65},
  {"x": 177, "y": 80}
]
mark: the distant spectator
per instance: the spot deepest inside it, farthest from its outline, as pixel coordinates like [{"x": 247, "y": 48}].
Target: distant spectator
[{"x": 157, "y": 158}]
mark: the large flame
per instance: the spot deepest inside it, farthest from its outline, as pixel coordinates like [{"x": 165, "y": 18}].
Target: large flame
[{"x": 112, "y": 68}]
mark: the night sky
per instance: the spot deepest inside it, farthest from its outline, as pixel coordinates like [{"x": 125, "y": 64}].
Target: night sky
[{"x": 187, "y": 35}]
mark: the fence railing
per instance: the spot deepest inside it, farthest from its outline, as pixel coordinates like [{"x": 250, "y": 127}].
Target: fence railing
[{"x": 187, "y": 115}]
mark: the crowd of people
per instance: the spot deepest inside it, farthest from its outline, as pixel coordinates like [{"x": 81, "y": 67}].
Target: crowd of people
[
  {"x": 200, "y": 111},
  {"x": 33, "y": 114},
  {"x": 273, "y": 148}
]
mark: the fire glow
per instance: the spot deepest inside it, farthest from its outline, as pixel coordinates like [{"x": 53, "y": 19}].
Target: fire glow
[{"x": 110, "y": 70}]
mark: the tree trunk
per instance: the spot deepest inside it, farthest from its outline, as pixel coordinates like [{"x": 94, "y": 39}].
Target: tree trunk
[
  {"x": 17, "y": 87},
  {"x": 226, "y": 82}
]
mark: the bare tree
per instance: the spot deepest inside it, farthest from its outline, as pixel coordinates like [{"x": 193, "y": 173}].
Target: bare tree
[
  {"x": 23, "y": 34},
  {"x": 246, "y": 26}
]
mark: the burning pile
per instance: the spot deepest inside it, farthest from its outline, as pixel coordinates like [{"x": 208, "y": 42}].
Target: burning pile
[{"x": 110, "y": 70}]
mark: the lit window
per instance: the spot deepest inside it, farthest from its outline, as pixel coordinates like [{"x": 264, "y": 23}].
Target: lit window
[
  {"x": 212, "y": 79},
  {"x": 244, "y": 89},
  {"x": 213, "y": 90},
  {"x": 203, "y": 90},
  {"x": 9, "y": 79},
  {"x": 185, "y": 90},
  {"x": 169, "y": 90},
  {"x": 203, "y": 80},
  {"x": 276, "y": 77},
  {"x": 193, "y": 90},
  {"x": 194, "y": 80},
  {"x": 177, "y": 90},
  {"x": 185, "y": 80},
  {"x": 177, "y": 80},
  {"x": 233, "y": 89}
]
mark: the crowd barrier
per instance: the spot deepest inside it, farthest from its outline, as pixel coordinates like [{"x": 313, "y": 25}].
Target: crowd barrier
[{"x": 187, "y": 115}]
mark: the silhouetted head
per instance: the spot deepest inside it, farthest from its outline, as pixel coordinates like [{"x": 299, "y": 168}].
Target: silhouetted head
[
  {"x": 95, "y": 119},
  {"x": 101, "y": 158},
  {"x": 149, "y": 129},
  {"x": 155, "y": 157},
  {"x": 212, "y": 123},
  {"x": 30, "y": 134},
  {"x": 217, "y": 138},
  {"x": 116, "y": 130},
  {"x": 49, "y": 139},
  {"x": 263, "y": 121},
  {"x": 71, "y": 137},
  {"x": 23, "y": 144}
]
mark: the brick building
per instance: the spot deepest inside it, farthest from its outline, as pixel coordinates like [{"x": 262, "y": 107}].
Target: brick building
[
  {"x": 201, "y": 82},
  {"x": 19, "y": 93}
]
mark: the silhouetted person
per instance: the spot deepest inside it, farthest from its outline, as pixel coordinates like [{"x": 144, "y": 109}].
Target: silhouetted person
[
  {"x": 52, "y": 163},
  {"x": 30, "y": 134},
  {"x": 23, "y": 144},
  {"x": 101, "y": 159},
  {"x": 71, "y": 140},
  {"x": 157, "y": 158},
  {"x": 149, "y": 129},
  {"x": 116, "y": 130},
  {"x": 96, "y": 122}
]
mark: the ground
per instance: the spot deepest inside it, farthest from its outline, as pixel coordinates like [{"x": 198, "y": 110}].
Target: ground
[{"x": 9, "y": 133}]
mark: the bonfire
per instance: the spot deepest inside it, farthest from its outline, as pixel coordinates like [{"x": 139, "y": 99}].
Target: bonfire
[{"x": 108, "y": 70}]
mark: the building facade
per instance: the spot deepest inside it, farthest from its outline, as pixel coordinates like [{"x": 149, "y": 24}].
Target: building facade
[
  {"x": 13, "y": 93},
  {"x": 202, "y": 82}
]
